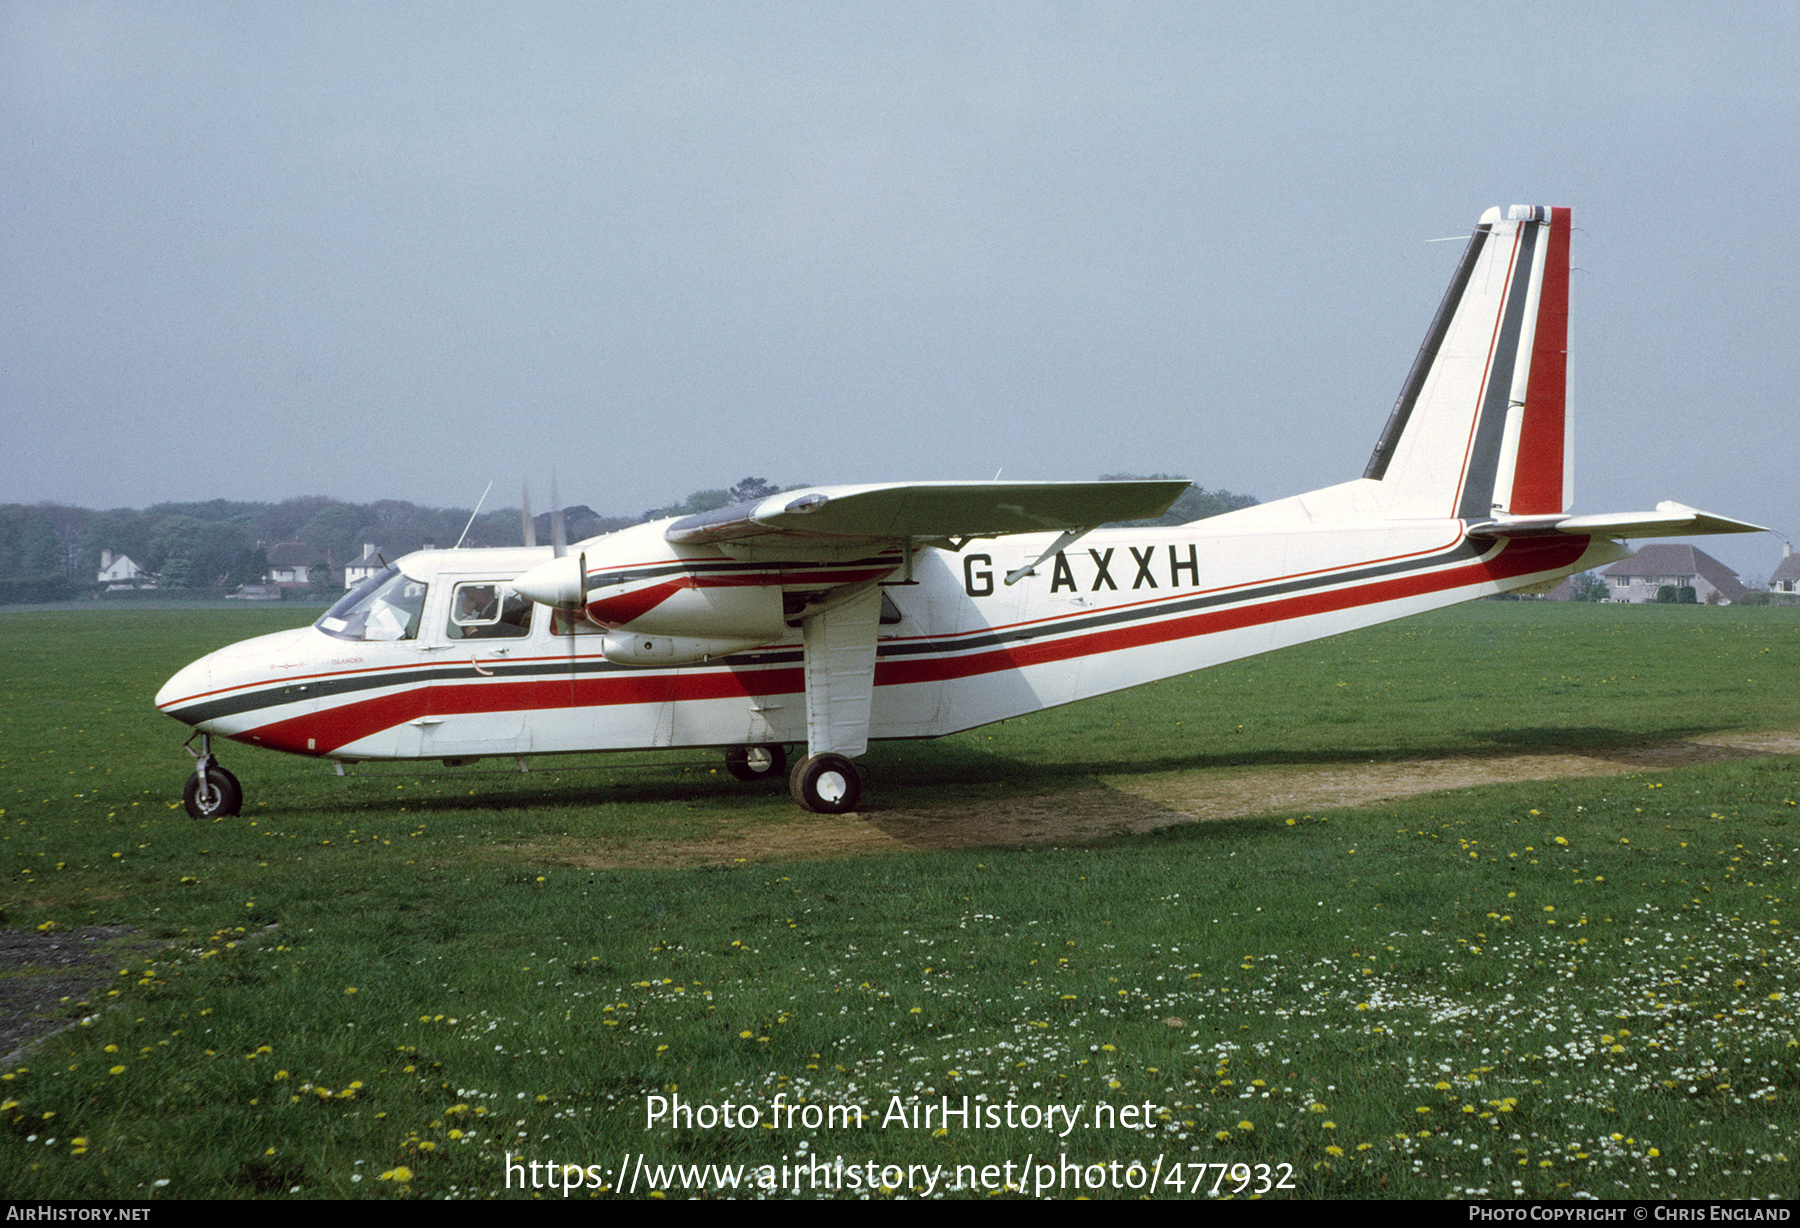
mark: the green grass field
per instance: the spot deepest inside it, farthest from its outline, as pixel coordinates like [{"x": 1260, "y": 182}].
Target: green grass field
[{"x": 402, "y": 986}]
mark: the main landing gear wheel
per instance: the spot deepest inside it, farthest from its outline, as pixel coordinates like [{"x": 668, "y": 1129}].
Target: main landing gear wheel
[
  {"x": 826, "y": 784},
  {"x": 750, "y": 763},
  {"x": 214, "y": 795}
]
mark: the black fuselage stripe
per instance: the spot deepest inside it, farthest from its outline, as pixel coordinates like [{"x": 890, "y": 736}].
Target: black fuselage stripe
[
  {"x": 1461, "y": 553},
  {"x": 288, "y": 693}
]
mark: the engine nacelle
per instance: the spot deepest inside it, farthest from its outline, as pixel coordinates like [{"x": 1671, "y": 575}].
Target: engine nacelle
[
  {"x": 635, "y": 583},
  {"x": 677, "y": 607},
  {"x": 623, "y": 648}
]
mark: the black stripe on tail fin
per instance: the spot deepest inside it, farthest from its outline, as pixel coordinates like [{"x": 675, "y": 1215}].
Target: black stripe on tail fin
[{"x": 1415, "y": 379}]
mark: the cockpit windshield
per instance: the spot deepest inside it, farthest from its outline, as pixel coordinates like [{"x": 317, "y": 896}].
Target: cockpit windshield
[{"x": 386, "y": 606}]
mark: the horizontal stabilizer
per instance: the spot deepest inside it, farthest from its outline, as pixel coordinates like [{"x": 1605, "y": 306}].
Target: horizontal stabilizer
[
  {"x": 1668, "y": 520},
  {"x": 927, "y": 511}
]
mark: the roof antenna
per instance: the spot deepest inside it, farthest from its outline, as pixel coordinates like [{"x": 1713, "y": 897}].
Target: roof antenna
[{"x": 473, "y": 514}]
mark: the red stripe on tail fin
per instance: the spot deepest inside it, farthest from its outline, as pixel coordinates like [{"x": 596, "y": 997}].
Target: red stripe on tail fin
[{"x": 1539, "y": 472}]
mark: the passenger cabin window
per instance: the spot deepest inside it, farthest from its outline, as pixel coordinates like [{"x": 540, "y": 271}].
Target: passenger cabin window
[{"x": 488, "y": 611}]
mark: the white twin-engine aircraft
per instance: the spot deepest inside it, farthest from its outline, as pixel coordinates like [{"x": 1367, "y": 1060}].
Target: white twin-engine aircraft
[{"x": 831, "y": 616}]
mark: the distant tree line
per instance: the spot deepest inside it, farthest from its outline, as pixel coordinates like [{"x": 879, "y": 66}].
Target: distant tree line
[
  {"x": 51, "y": 552},
  {"x": 1195, "y": 503},
  {"x": 1587, "y": 587}
]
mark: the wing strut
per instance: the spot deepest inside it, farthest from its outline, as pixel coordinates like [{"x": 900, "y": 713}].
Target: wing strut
[{"x": 1062, "y": 543}]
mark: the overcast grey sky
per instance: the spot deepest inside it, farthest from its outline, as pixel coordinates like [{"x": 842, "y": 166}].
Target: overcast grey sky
[{"x": 396, "y": 250}]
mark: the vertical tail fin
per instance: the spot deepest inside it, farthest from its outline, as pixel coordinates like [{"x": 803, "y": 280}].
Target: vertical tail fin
[{"x": 1481, "y": 426}]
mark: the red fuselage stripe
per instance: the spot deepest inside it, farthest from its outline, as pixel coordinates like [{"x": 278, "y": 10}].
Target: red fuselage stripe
[
  {"x": 1550, "y": 552},
  {"x": 325, "y": 731}
]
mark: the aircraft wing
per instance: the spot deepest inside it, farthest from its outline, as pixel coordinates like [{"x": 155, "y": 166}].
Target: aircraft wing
[
  {"x": 1668, "y": 520},
  {"x": 924, "y": 512}
]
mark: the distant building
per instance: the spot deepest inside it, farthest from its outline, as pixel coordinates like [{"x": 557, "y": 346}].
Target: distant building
[
  {"x": 290, "y": 564},
  {"x": 119, "y": 569},
  {"x": 360, "y": 569},
  {"x": 1638, "y": 578},
  {"x": 1786, "y": 576}
]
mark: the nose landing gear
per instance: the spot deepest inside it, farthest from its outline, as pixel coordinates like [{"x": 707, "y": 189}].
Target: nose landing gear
[{"x": 211, "y": 792}]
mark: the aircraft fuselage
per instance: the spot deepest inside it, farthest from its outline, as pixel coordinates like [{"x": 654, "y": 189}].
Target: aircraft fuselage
[{"x": 958, "y": 647}]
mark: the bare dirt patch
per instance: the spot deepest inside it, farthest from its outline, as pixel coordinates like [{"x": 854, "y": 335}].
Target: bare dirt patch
[
  {"x": 1141, "y": 804},
  {"x": 1273, "y": 790},
  {"x": 46, "y": 979}
]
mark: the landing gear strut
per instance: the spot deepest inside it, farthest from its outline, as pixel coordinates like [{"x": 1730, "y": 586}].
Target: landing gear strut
[
  {"x": 211, "y": 792},
  {"x": 826, "y": 784},
  {"x": 751, "y": 763}
]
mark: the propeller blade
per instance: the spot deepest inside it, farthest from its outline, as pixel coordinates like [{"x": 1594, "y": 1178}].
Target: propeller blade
[
  {"x": 530, "y": 526},
  {"x": 573, "y": 614},
  {"x": 559, "y": 537}
]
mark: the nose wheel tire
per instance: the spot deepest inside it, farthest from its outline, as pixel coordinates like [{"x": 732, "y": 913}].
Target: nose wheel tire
[
  {"x": 826, "y": 784},
  {"x": 216, "y": 795},
  {"x": 751, "y": 763}
]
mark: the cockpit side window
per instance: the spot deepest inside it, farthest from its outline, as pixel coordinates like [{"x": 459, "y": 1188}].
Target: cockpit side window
[
  {"x": 386, "y": 606},
  {"x": 488, "y": 610}
]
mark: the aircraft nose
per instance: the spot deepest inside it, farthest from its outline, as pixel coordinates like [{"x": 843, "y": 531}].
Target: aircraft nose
[
  {"x": 196, "y": 690},
  {"x": 188, "y": 683}
]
